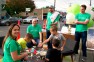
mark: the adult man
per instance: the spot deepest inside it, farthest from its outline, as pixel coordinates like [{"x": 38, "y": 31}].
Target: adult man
[
  {"x": 36, "y": 30},
  {"x": 49, "y": 23},
  {"x": 82, "y": 20}
]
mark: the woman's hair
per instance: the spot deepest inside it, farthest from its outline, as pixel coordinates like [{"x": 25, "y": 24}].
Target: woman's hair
[
  {"x": 84, "y": 6},
  {"x": 56, "y": 42},
  {"x": 29, "y": 36},
  {"x": 9, "y": 33},
  {"x": 54, "y": 28}
]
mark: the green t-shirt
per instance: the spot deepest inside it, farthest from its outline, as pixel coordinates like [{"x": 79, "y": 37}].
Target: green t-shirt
[
  {"x": 82, "y": 17},
  {"x": 49, "y": 20},
  {"x": 34, "y": 30},
  {"x": 22, "y": 43},
  {"x": 10, "y": 46}
]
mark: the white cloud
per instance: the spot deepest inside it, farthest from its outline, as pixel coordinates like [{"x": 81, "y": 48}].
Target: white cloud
[{"x": 61, "y": 4}]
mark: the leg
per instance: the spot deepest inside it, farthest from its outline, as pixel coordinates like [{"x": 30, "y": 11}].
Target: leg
[
  {"x": 84, "y": 39},
  {"x": 77, "y": 39},
  {"x": 47, "y": 36}
]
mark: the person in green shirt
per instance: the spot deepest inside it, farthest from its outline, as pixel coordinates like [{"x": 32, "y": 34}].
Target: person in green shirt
[
  {"x": 82, "y": 20},
  {"x": 49, "y": 23},
  {"x": 23, "y": 41},
  {"x": 36, "y": 30},
  {"x": 11, "y": 48}
]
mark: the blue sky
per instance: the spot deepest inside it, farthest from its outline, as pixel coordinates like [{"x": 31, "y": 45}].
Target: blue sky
[{"x": 61, "y": 5}]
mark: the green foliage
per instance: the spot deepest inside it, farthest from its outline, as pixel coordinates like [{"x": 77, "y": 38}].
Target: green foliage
[
  {"x": 93, "y": 9},
  {"x": 19, "y": 6}
]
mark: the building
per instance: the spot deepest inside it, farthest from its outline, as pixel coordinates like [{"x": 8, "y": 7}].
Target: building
[{"x": 40, "y": 13}]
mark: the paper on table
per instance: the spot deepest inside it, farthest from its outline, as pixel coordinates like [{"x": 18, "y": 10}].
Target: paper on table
[{"x": 65, "y": 30}]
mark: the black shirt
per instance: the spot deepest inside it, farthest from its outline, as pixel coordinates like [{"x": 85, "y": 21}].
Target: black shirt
[{"x": 54, "y": 55}]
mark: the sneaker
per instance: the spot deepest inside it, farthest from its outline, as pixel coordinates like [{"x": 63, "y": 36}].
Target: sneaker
[{"x": 84, "y": 59}]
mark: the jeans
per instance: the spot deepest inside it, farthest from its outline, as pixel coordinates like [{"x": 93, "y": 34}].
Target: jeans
[
  {"x": 47, "y": 36},
  {"x": 83, "y": 37},
  {"x": 30, "y": 44}
]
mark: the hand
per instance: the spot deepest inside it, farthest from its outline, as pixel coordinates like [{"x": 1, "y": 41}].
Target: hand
[
  {"x": 76, "y": 21},
  {"x": 26, "y": 58},
  {"x": 25, "y": 54},
  {"x": 40, "y": 45},
  {"x": 62, "y": 48}
]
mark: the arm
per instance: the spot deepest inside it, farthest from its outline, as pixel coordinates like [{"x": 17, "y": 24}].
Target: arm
[
  {"x": 41, "y": 44},
  {"x": 79, "y": 22},
  {"x": 13, "y": 48},
  {"x": 27, "y": 30},
  {"x": 63, "y": 44},
  {"x": 46, "y": 21},
  {"x": 15, "y": 56},
  {"x": 34, "y": 42},
  {"x": 40, "y": 34},
  {"x": 48, "y": 55},
  {"x": 47, "y": 40}
]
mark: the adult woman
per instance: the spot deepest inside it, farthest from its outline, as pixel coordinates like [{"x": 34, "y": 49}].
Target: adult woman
[
  {"x": 36, "y": 30},
  {"x": 10, "y": 46}
]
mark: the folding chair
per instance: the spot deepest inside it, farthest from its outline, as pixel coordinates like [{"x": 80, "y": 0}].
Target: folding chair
[{"x": 69, "y": 49}]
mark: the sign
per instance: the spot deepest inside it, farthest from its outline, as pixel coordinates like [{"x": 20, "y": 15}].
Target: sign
[{"x": 28, "y": 9}]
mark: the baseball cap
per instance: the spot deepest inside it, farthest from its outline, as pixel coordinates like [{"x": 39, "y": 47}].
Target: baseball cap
[{"x": 51, "y": 7}]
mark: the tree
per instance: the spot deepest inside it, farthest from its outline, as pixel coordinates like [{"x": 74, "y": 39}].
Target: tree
[
  {"x": 17, "y": 6},
  {"x": 92, "y": 8}
]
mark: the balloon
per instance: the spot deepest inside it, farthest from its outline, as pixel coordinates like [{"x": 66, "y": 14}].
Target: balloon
[
  {"x": 89, "y": 10},
  {"x": 75, "y": 8},
  {"x": 91, "y": 23},
  {"x": 70, "y": 18}
]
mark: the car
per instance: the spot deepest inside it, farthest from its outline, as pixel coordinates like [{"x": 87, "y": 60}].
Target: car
[
  {"x": 29, "y": 19},
  {"x": 10, "y": 20}
]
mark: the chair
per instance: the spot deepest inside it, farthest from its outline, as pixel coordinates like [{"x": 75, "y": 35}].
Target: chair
[{"x": 69, "y": 49}]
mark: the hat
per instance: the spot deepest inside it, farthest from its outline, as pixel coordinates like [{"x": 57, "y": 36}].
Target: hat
[{"x": 51, "y": 7}]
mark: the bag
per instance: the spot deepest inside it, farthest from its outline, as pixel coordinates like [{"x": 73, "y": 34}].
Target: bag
[{"x": 54, "y": 16}]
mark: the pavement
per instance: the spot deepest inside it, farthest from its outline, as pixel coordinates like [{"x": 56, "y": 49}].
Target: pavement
[{"x": 90, "y": 54}]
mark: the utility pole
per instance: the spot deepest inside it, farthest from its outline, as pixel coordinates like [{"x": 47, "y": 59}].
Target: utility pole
[
  {"x": 90, "y": 2},
  {"x": 70, "y": 4},
  {"x": 0, "y": 8},
  {"x": 54, "y": 4}
]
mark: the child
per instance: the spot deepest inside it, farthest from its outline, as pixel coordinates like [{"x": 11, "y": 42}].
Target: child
[
  {"x": 54, "y": 55},
  {"x": 23, "y": 41},
  {"x": 55, "y": 34}
]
